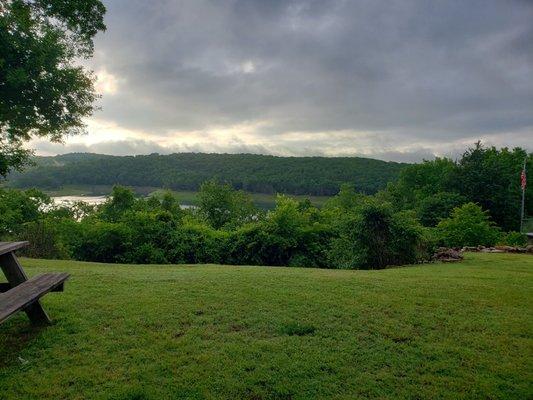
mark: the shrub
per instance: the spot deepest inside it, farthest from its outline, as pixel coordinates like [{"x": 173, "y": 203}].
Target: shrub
[
  {"x": 428, "y": 243},
  {"x": 513, "y": 239},
  {"x": 257, "y": 244},
  {"x": 375, "y": 236},
  {"x": 196, "y": 243},
  {"x": 313, "y": 247},
  {"x": 146, "y": 253},
  {"x": 468, "y": 225},
  {"x": 44, "y": 240},
  {"x": 103, "y": 242},
  {"x": 289, "y": 235}
]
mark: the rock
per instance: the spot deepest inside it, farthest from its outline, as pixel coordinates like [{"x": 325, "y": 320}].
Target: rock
[
  {"x": 509, "y": 249},
  {"x": 529, "y": 248},
  {"x": 447, "y": 255},
  {"x": 470, "y": 248}
]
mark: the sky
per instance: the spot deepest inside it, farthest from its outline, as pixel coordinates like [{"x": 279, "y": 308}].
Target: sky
[{"x": 400, "y": 80}]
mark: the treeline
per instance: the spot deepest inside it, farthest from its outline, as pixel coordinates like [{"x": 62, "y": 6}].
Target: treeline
[
  {"x": 435, "y": 203},
  {"x": 489, "y": 177},
  {"x": 186, "y": 171}
]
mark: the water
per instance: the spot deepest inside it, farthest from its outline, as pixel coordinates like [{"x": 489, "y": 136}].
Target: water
[
  {"x": 93, "y": 200},
  {"x": 68, "y": 200}
]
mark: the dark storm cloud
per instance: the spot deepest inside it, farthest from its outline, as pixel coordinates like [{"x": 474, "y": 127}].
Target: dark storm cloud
[{"x": 408, "y": 71}]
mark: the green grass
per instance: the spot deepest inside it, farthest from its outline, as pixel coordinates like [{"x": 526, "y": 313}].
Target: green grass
[{"x": 441, "y": 331}]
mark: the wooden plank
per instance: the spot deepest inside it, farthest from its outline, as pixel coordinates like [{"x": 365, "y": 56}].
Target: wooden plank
[
  {"x": 5, "y": 286},
  {"x": 27, "y": 293},
  {"x": 12, "y": 269},
  {"x": 8, "y": 247},
  {"x": 15, "y": 276}
]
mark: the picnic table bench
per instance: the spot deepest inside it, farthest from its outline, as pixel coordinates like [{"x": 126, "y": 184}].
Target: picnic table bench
[{"x": 21, "y": 293}]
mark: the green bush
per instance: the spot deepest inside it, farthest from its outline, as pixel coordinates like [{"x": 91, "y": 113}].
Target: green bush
[
  {"x": 313, "y": 248},
  {"x": 257, "y": 244},
  {"x": 468, "y": 225},
  {"x": 44, "y": 240},
  {"x": 18, "y": 207},
  {"x": 291, "y": 234},
  {"x": 513, "y": 239},
  {"x": 197, "y": 243},
  {"x": 374, "y": 237},
  {"x": 103, "y": 242}
]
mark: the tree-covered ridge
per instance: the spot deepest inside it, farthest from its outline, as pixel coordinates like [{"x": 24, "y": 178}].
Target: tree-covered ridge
[{"x": 187, "y": 171}]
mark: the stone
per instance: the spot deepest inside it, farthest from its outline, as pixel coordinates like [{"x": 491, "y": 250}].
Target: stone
[{"x": 447, "y": 255}]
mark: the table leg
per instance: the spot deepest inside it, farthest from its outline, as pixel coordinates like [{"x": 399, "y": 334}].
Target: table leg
[{"x": 15, "y": 276}]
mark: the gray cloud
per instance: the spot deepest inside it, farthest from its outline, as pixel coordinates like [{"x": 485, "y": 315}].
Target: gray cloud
[{"x": 415, "y": 74}]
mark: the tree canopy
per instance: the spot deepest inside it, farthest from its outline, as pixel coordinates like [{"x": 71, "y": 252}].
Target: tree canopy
[
  {"x": 42, "y": 91},
  {"x": 487, "y": 176}
]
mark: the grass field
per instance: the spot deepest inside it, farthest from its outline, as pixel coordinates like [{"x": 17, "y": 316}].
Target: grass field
[{"x": 442, "y": 331}]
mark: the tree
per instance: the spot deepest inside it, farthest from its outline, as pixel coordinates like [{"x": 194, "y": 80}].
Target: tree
[
  {"x": 42, "y": 92},
  {"x": 346, "y": 199},
  {"x": 222, "y": 206},
  {"x": 418, "y": 181},
  {"x": 434, "y": 208},
  {"x": 468, "y": 225},
  {"x": 18, "y": 207},
  {"x": 491, "y": 178},
  {"x": 118, "y": 203}
]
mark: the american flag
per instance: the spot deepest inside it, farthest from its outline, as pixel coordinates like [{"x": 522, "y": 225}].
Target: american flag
[{"x": 523, "y": 179}]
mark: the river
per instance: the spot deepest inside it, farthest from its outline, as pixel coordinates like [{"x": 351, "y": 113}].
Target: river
[
  {"x": 66, "y": 200},
  {"x": 93, "y": 200}
]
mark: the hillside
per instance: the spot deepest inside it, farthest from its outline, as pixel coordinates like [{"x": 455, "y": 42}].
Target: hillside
[
  {"x": 440, "y": 331},
  {"x": 320, "y": 176}
]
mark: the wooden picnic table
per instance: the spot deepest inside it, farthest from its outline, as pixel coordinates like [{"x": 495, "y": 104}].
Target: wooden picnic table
[{"x": 21, "y": 293}]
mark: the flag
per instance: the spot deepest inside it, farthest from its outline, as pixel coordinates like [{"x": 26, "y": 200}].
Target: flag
[{"x": 523, "y": 179}]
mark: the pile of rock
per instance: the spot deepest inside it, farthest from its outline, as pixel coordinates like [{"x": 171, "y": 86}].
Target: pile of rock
[
  {"x": 445, "y": 254},
  {"x": 500, "y": 249}
]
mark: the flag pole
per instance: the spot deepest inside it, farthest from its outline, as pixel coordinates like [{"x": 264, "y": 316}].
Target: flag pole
[{"x": 523, "y": 198}]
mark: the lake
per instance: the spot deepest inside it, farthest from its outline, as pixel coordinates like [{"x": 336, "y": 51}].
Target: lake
[
  {"x": 66, "y": 200},
  {"x": 93, "y": 200}
]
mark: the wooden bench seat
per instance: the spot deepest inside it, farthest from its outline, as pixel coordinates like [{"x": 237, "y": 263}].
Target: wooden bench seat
[
  {"x": 5, "y": 286},
  {"x": 23, "y": 295},
  {"x": 8, "y": 247}
]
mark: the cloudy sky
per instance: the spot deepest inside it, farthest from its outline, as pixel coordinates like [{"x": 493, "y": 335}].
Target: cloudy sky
[{"x": 391, "y": 79}]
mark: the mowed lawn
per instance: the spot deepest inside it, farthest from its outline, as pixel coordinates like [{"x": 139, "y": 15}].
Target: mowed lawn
[{"x": 440, "y": 331}]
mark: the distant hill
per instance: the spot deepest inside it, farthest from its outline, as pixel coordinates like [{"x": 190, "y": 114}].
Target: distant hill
[{"x": 186, "y": 171}]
